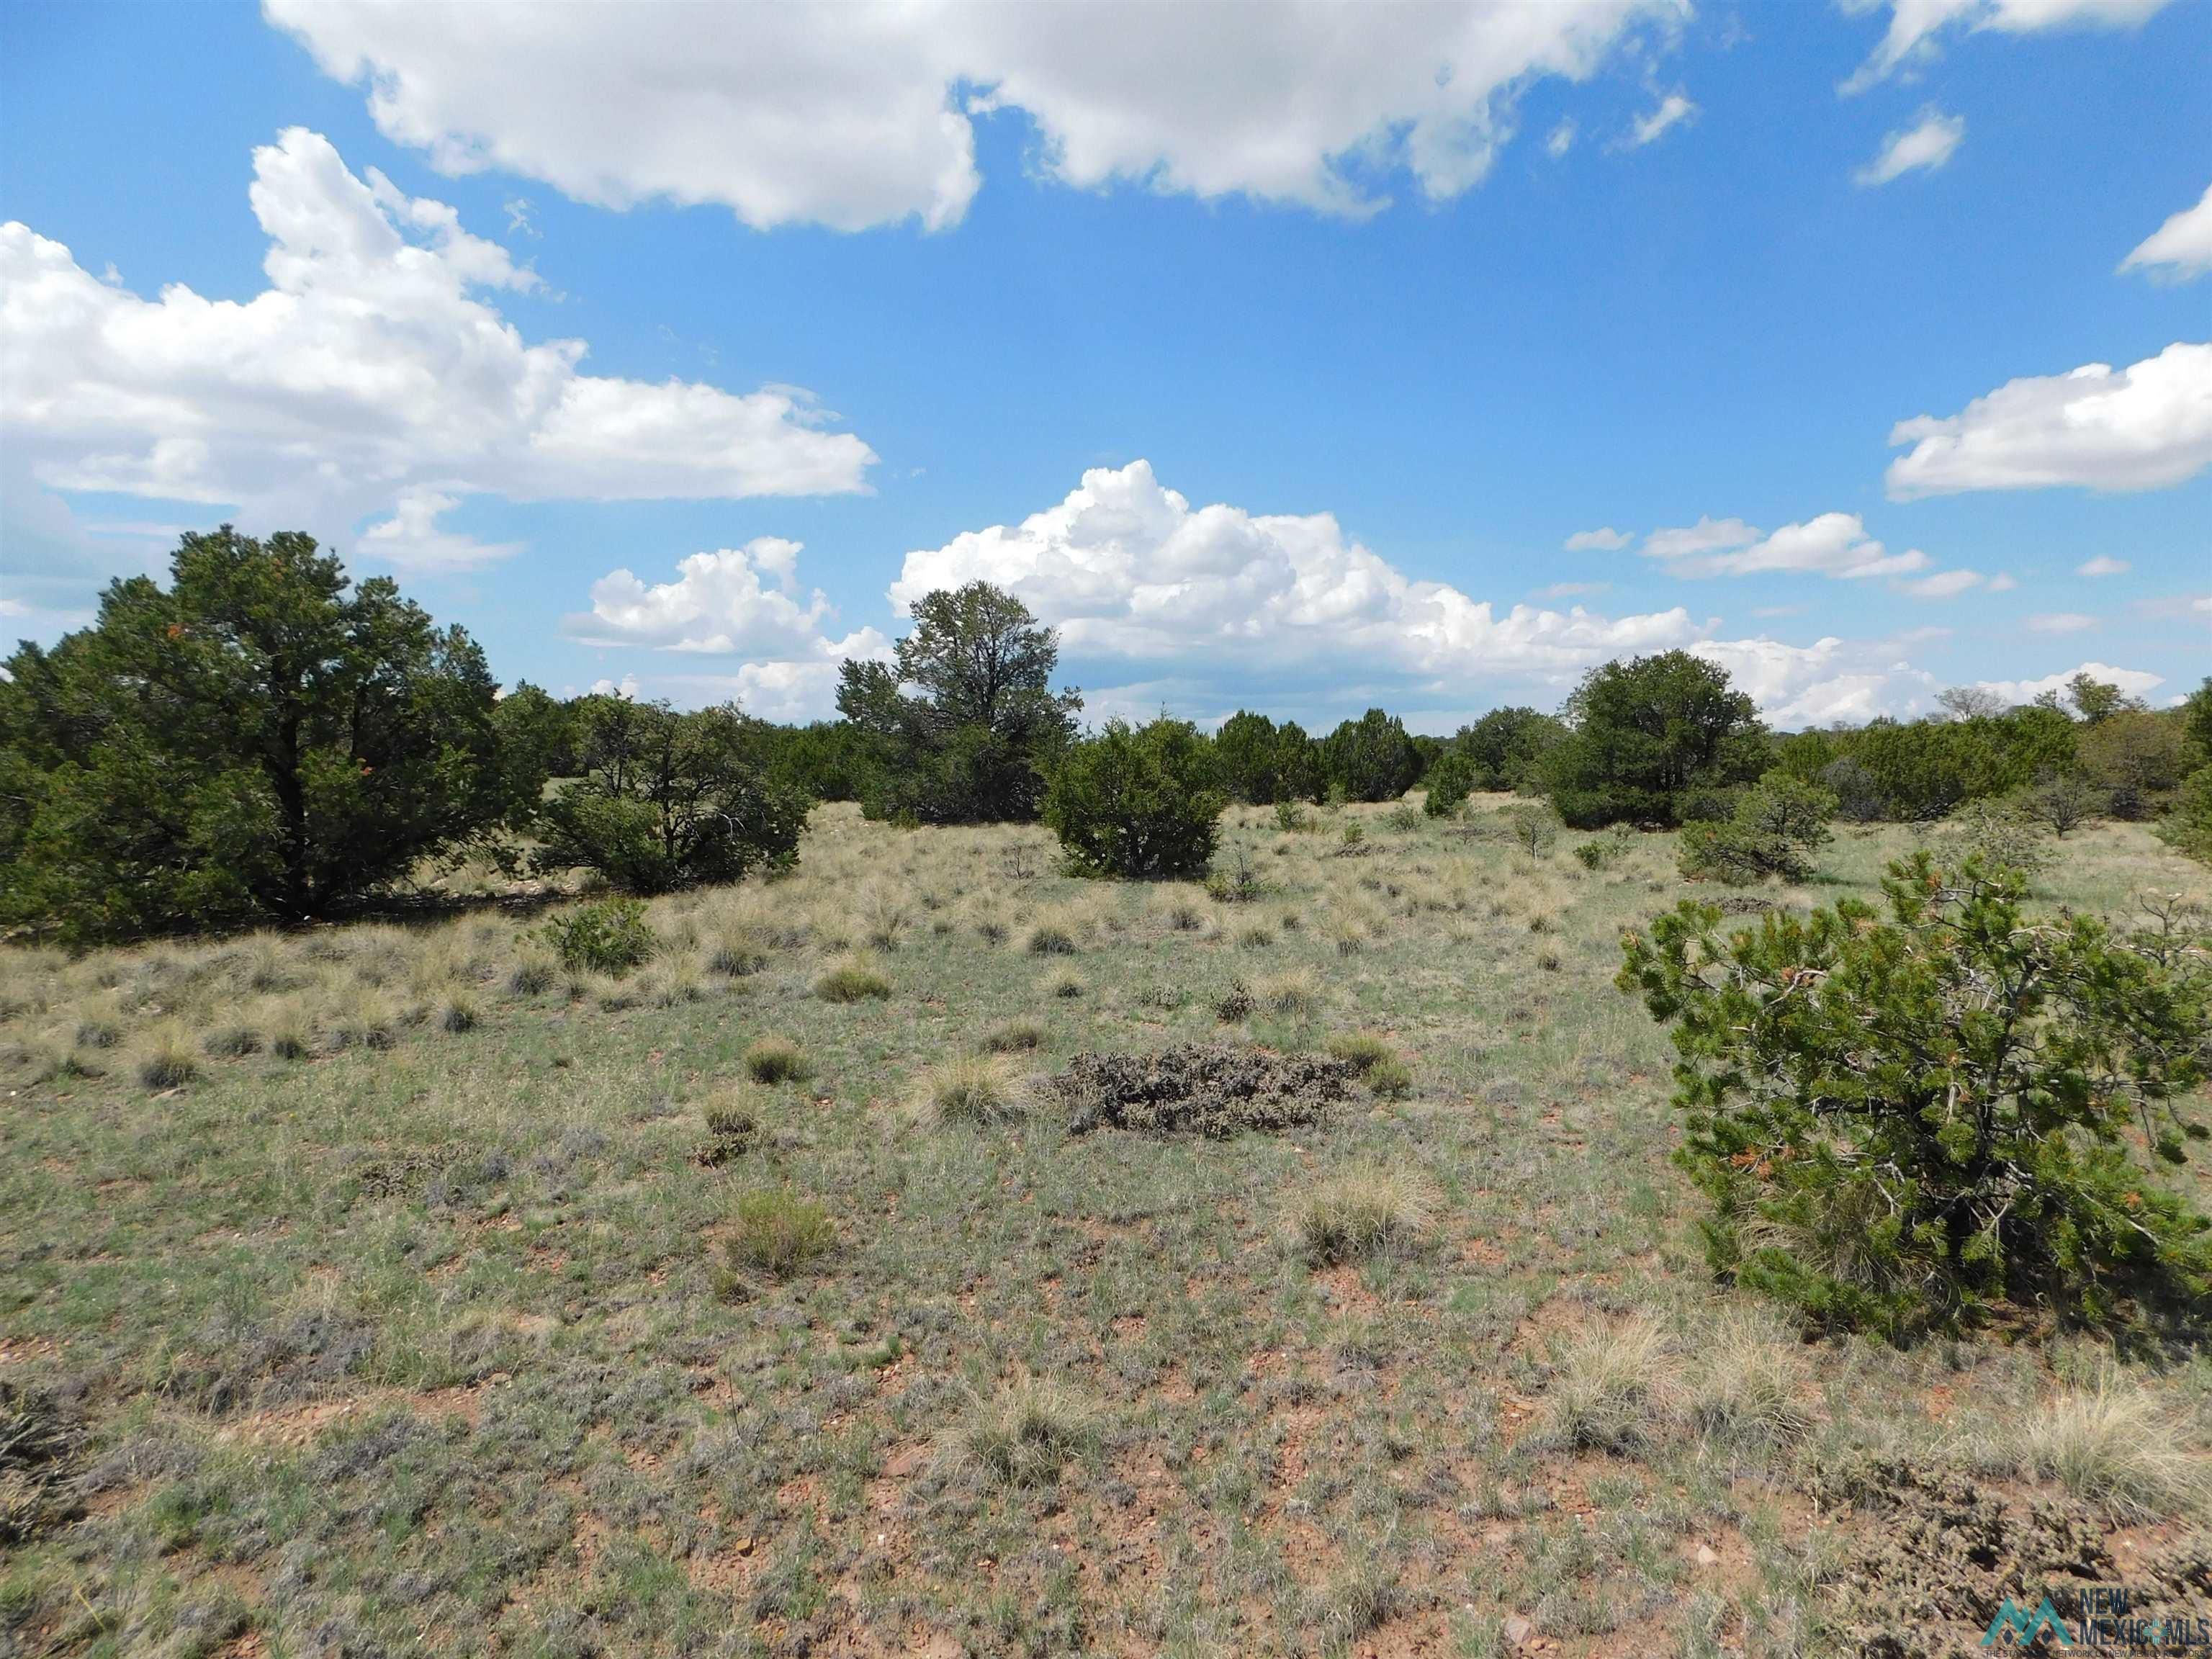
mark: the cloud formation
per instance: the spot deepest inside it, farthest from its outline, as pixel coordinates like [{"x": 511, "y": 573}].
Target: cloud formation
[
  {"x": 1915, "y": 26},
  {"x": 371, "y": 375},
  {"x": 2181, "y": 247},
  {"x": 1926, "y": 145},
  {"x": 863, "y": 115},
  {"x": 2144, "y": 427},
  {"x": 1670, "y": 112},
  {"x": 2103, "y": 565},
  {"x": 2135, "y": 682},
  {"x": 1832, "y": 544},
  {"x": 738, "y": 601},
  {"x": 1607, "y": 540},
  {"x": 1135, "y": 576}
]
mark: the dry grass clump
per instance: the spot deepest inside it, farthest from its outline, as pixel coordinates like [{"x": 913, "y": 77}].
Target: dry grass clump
[
  {"x": 1294, "y": 994},
  {"x": 775, "y": 1233},
  {"x": 164, "y": 1057},
  {"x": 291, "y": 1029},
  {"x": 884, "y": 916},
  {"x": 536, "y": 971},
  {"x": 1184, "y": 910},
  {"x": 777, "y": 1059},
  {"x": 1747, "y": 1389},
  {"x": 1361, "y": 1212},
  {"x": 852, "y": 979},
  {"x": 232, "y": 1041},
  {"x": 1013, "y": 1036},
  {"x": 1050, "y": 938},
  {"x": 978, "y": 1090},
  {"x": 1614, "y": 1391},
  {"x": 459, "y": 1012},
  {"x": 1378, "y": 1062},
  {"x": 363, "y": 1018},
  {"x": 1064, "y": 983},
  {"x": 733, "y": 1128},
  {"x": 1028, "y": 1431},
  {"x": 2119, "y": 1446}
]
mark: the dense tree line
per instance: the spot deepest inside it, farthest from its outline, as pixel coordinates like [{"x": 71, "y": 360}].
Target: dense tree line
[{"x": 264, "y": 741}]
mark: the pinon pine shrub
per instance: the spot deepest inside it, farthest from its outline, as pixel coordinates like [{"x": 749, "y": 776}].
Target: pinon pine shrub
[
  {"x": 1901, "y": 1119},
  {"x": 1137, "y": 802},
  {"x": 610, "y": 936},
  {"x": 1774, "y": 830}
]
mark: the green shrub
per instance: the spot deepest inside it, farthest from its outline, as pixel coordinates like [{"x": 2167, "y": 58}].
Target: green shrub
[
  {"x": 1532, "y": 829},
  {"x": 1450, "y": 781},
  {"x": 1137, "y": 802},
  {"x": 1645, "y": 732},
  {"x": 669, "y": 799},
  {"x": 853, "y": 980},
  {"x": 609, "y": 936},
  {"x": 773, "y": 1232},
  {"x": 1290, "y": 817},
  {"x": 1237, "y": 882},
  {"x": 1773, "y": 831},
  {"x": 1902, "y": 1121},
  {"x": 2188, "y": 827},
  {"x": 2060, "y": 801},
  {"x": 777, "y": 1059},
  {"x": 1603, "y": 852}
]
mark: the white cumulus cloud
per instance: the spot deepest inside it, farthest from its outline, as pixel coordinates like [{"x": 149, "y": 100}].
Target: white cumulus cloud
[
  {"x": 1832, "y": 544},
  {"x": 1133, "y": 574},
  {"x": 2061, "y": 622},
  {"x": 1926, "y": 145},
  {"x": 1916, "y": 25},
  {"x": 735, "y": 602},
  {"x": 2103, "y": 565},
  {"x": 2141, "y": 428},
  {"x": 2135, "y": 682},
  {"x": 861, "y": 115},
  {"x": 1944, "y": 584},
  {"x": 2181, "y": 247},
  {"x": 371, "y": 376}
]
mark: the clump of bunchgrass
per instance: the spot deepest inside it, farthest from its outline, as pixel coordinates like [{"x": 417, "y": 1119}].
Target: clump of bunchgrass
[
  {"x": 1295, "y": 994},
  {"x": 1615, "y": 1390},
  {"x": 777, "y": 1059},
  {"x": 2119, "y": 1447},
  {"x": 1358, "y": 1213},
  {"x": 233, "y": 1041},
  {"x": 852, "y": 979},
  {"x": 1380, "y": 1066},
  {"x": 1025, "y": 1434},
  {"x": 1049, "y": 938},
  {"x": 459, "y": 1012},
  {"x": 971, "y": 1089},
  {"x": 1064, "y": 983},
  {"x": 535, "y": 971},
  {"x": 776, "y": 1232},
  {"x": 1747, "y": 1389},
  {"x": 733, "y": 1128},
  {"x": 1013, "y": 1036},
  {"x": 165, "y": 1057}
]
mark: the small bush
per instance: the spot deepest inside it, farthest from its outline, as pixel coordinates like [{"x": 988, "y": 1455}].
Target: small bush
[
  {"x": 610, "y": 936},
  {"x": 1027, "y": 1433},
  {"x": 1290, "y": 817},
  {"x": 1237, "y": 882},
  {"x": 1450, "y": 781},
  {"x": 1234, "y": 1004},
  {"x": 1774, "y": 831},
  {"x": 777, "y": 1059},
  {"x": 1137, "y": 802},
  {"x": 734, "y": 1129},
  {"x": 1603, "y": 852},
  {"x": 1363, "y": 1213},
  {"x": 1902, "y": 1121},
  {"x": 775, "y": 1233},
  {"x": 1013, "y": 1036},
  {"x": 2059, "y": 801},
  {"x": 973, "y": 1089},
  {"x": 853, "y": 980},
  {"x": 1403, "y": 817}
]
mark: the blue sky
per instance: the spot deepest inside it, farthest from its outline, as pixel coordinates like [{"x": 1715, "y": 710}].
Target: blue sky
[{"x": 1276, "y": 357}]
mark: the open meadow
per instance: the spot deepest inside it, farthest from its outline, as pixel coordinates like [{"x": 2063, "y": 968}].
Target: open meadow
[{"x": 376, "y": 1289}]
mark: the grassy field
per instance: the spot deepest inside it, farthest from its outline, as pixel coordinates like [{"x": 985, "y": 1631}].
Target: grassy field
[{"x": 383, "y": 1290}]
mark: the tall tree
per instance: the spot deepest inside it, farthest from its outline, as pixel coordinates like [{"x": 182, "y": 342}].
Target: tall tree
[
  {"x": 1372, "y": 757},
  {"x": 961, "y": 722},
  {"x": 262, "y": 739}
]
